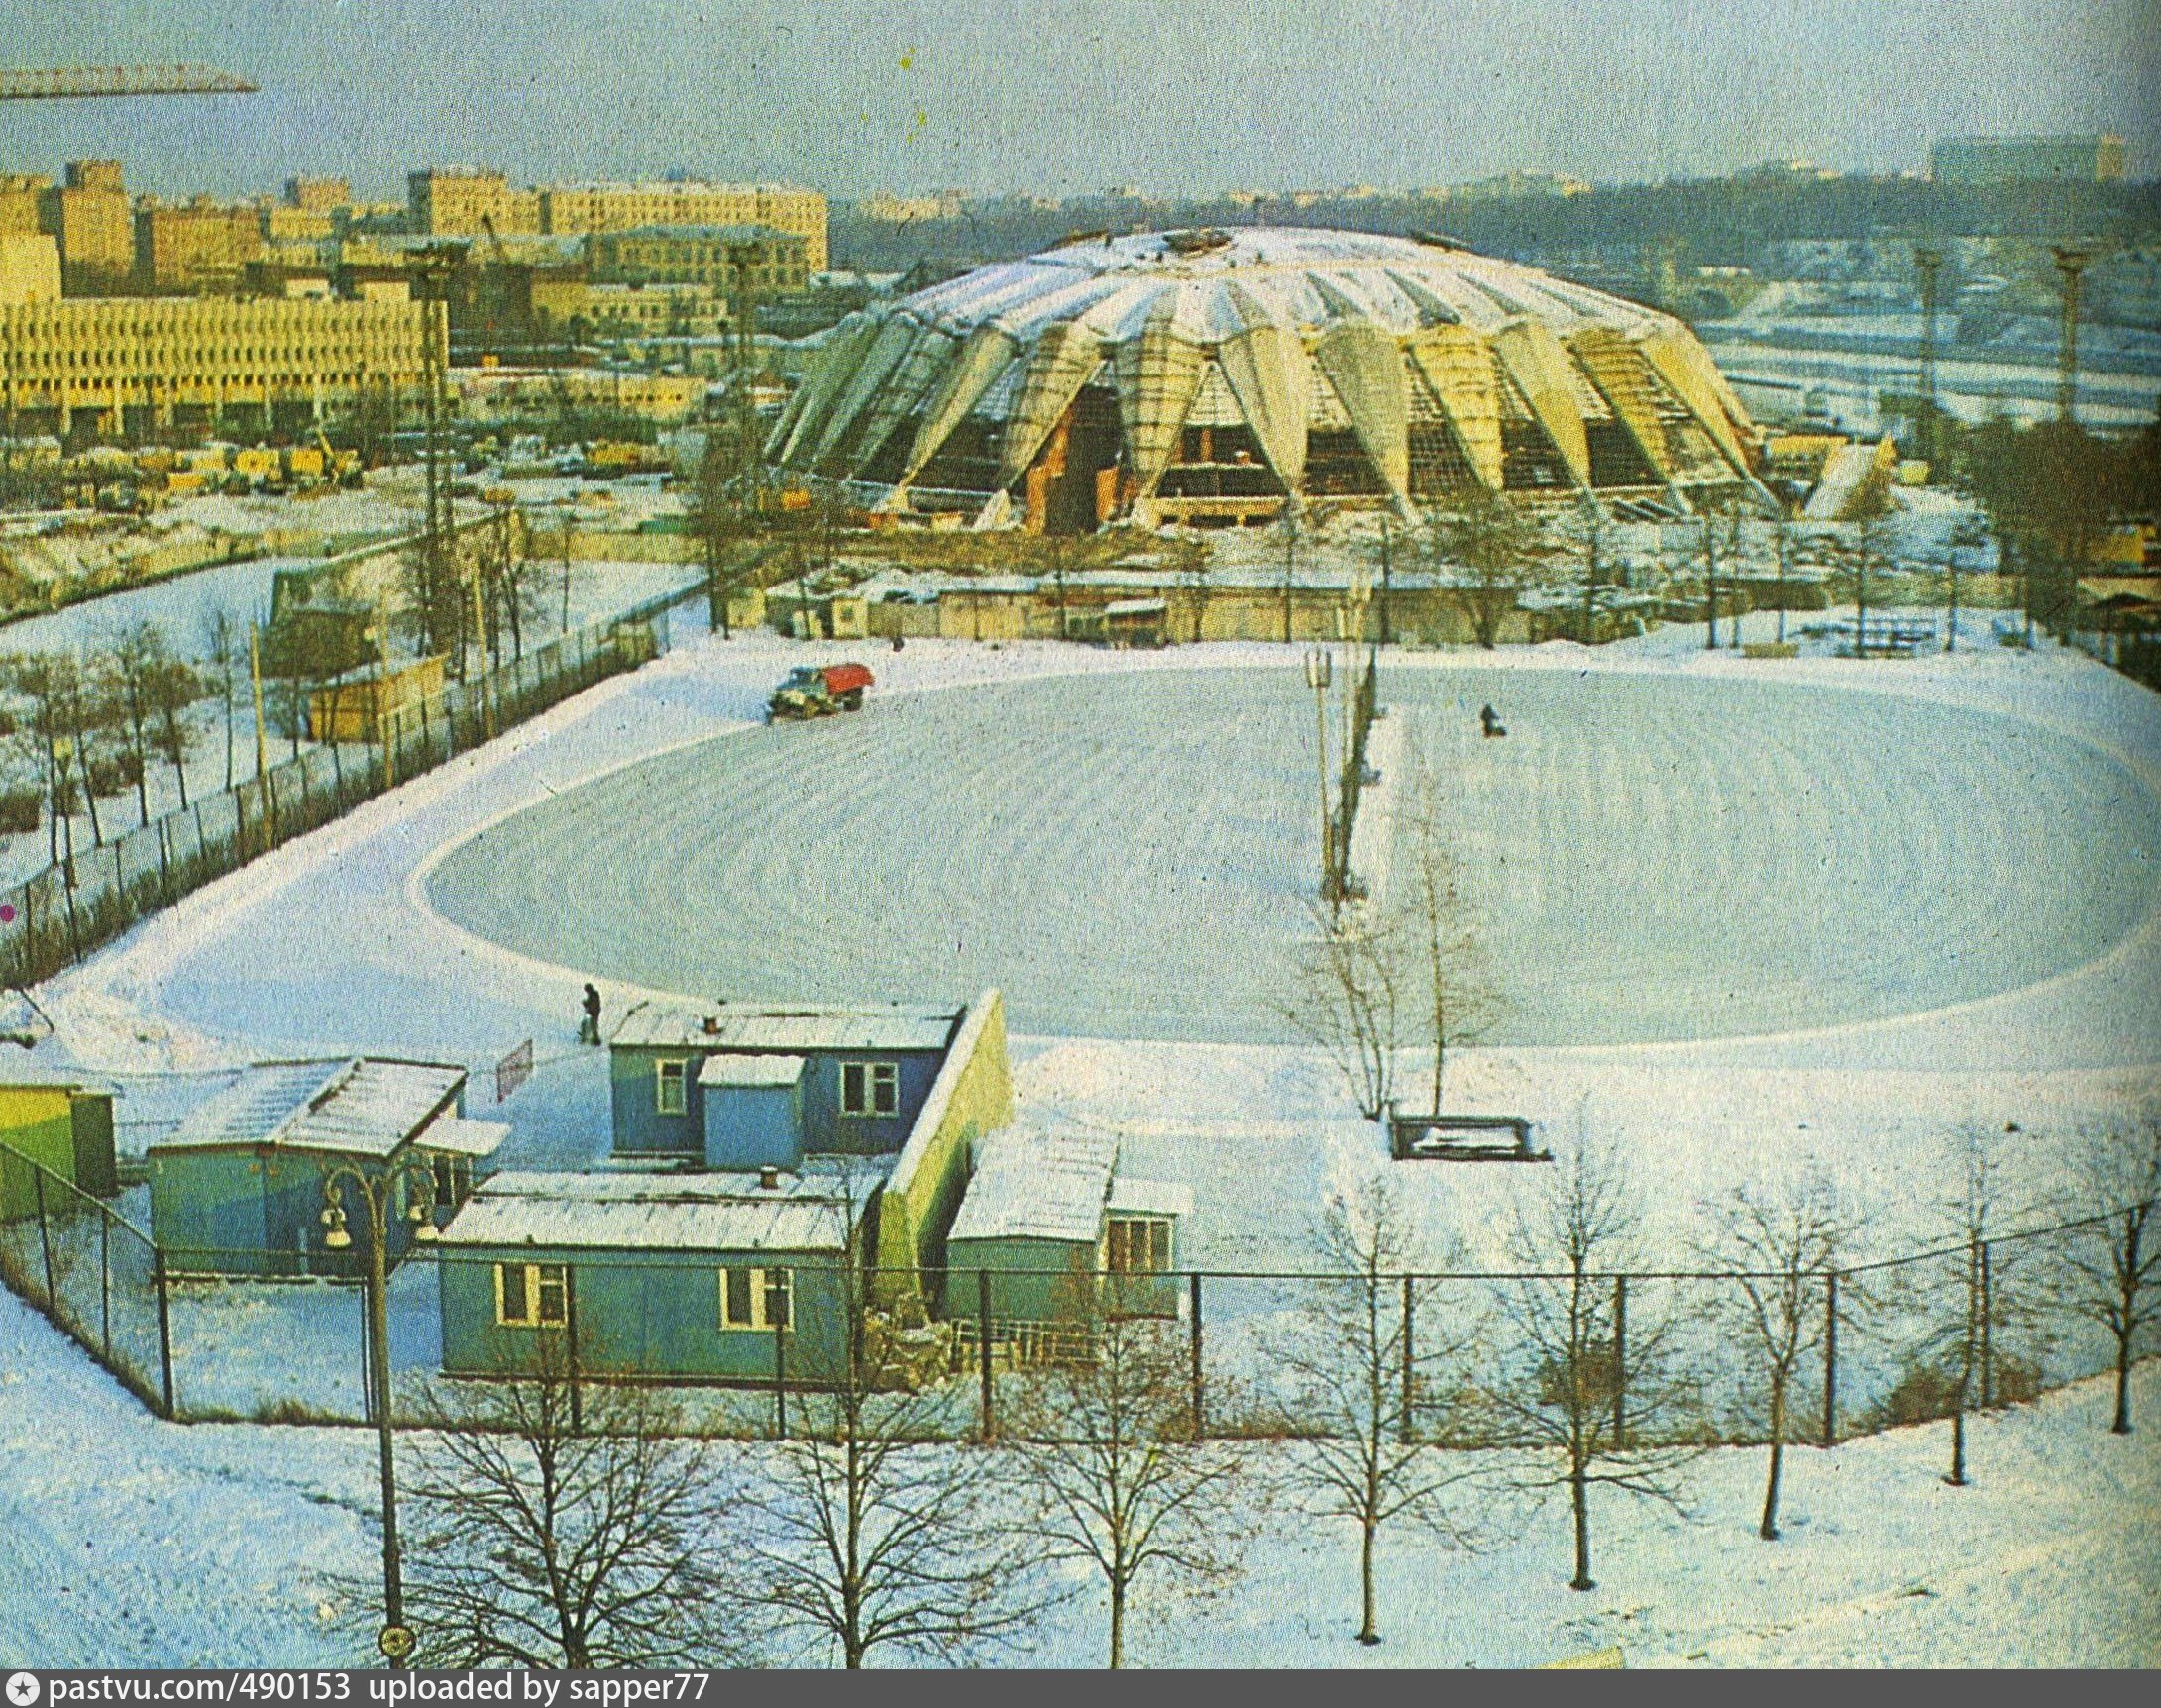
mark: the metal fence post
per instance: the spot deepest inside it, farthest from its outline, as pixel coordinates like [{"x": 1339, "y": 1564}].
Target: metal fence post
[
  {"x": 780, "y": 1382},
  {"x": 164, "y": 1329},
  {"x": 569, "y": 1343},
  {"x": 44, "y": 1239},
  {"x": 983, "y": 1351},
  {"x": 1620, "y": 1359},
  {"x": 1830, "y": 1359},
  {"x": 105, "y": 1283},
  {"x": 1409, "y": 1363},
  {"x": 1193, "y": 1303}
]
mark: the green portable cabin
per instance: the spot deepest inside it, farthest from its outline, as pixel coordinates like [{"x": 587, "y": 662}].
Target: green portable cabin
[
  {"x": 731, "y": 1277},
  {"x": 242, "y": 1185},
  {"x": 63, "y": 1126},
  {"x": 1062, "y": 1234}
]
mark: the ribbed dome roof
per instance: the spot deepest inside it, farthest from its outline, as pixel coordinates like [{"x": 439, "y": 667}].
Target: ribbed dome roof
[{"x": 1455, "y": 371}]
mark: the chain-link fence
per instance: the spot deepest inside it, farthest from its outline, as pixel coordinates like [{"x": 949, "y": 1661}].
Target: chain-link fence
[
  {"x": 70, "y": 907},
  {"x": 1642, "y": 1359}
]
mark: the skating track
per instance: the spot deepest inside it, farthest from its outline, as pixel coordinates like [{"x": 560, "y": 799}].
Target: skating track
[{"x": 1647, "y": 857}]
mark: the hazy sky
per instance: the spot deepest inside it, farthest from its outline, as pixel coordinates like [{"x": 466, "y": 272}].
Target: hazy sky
[{"x": 1060, "y": 96}]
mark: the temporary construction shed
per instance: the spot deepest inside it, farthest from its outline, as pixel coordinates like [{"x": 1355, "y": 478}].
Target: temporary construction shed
[
  {"x": 63, "y": 1126},
  {"x": 240, "y": 1186},
  {"x": 711, "y": 1277}
]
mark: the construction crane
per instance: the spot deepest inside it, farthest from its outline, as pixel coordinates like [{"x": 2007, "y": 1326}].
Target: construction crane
[{"x": 99, "y": 83}]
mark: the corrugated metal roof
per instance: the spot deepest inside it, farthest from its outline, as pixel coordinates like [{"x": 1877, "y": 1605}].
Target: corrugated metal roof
[
  {"x": 752, "y": 1028},
  {"x": 365, "y": 1107},
  {"x": 1039, "y": 1186},
  {"x": 739, "y": 1070},
  {"x": 653, "y": 1213}
]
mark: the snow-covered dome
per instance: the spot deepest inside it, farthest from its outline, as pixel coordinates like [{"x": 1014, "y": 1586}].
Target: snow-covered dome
[{"x": 1213, "y": 373}]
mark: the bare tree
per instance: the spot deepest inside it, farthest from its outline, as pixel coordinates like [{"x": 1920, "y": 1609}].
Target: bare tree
[
  {"x": 2112, "y": 1264},
  {"x": 553, "y": 1527},
  {"x": 1352, "y": 983},
  {"x": 1782, "y": 1249},
  {"x": 223, "y": 651},
  {"x": 718, "y": 519},
  {"x": 1360, "y": 1374},
  {"x": 873, "y": 1534},
  {"x": 1462, "y": 1001},
  {"x": 1584, "y": 1386},
  {"x": 135, "y": 658},
  {"x": 172, "y": 686},
  {"x": 1107, "y": 1450},
  {"x": 1492, "y": 540}
]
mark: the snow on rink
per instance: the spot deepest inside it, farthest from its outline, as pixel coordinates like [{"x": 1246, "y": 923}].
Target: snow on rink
[
  {"x": 135, "y": 1542},
  {"x": 1754, "y": 917}
]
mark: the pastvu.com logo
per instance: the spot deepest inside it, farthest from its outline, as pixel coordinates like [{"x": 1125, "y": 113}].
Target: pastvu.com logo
[{"x": 23, "y": 1689}]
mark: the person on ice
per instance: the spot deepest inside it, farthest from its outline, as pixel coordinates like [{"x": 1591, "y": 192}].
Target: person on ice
[
  {"x": 588, "y": 1030},
  {"x": 1491, "y": 721}
]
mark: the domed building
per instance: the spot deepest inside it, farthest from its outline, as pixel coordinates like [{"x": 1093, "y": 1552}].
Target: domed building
[{"x": 1216, "y": 375}]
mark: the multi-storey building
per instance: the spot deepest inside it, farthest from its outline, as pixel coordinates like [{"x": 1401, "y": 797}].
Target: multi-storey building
[
  {"x": 21, "y": 196},
  {"x": 30, "y": 268},
  {"x": 89, "y": 217},
  {"x": 157, "y": 362},
  {"x": 758, "y": 258},
  {"x": 464, "y": 201},
  {"x": 577, "y": 209},
  {"x": 2089, "y": 160},
  {"x": 201, "y": 246},
  {"x": 318, "y": 195}
]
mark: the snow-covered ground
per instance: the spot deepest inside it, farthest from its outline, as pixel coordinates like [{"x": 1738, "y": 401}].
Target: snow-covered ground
[
  {"x": 341, "y": 942},
  {"x": 135, "y": 1542}
]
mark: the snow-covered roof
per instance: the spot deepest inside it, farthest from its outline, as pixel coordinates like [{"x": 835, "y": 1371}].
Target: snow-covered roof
[
  {"x": 453, "y": 1132},
  {"x": 726, "y": 1212},
  {"x": 363, "y": 1107},
  {"x": 1129, "y": 1197},
  {"x": 752, "y": 1071},
  {"x": 1039, "y": 1186},
  {"x": 755, "y": 1029}
]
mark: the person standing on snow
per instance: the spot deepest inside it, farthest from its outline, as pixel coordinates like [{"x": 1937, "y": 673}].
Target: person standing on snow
[{"x": 588, "y": 1030}]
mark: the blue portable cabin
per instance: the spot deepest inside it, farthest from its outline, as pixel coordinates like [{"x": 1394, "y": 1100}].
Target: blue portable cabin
[
  {"x": 732, "y": 1085},
  {"x": 726, "y": 1277},
  {"x": 241, "y": 1187},
  {"x": 1063, "y": 1235}
]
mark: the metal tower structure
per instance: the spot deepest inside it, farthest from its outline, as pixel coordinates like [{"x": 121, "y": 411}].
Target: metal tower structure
[
  {"x": 2071, "y": 261},
  {"x": 1928, "y": 262},
  {"x": 103, "y": 82}
]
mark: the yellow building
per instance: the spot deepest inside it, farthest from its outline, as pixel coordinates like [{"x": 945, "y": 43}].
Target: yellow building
[
  {"x": 318, "y": 195},
  {"x": 62, "y": 1127},
  {"x": 30, "y": 268},
  {"x": 200, "y": 245},
  {"x": 576, "y": 209},
  {"x": 772, "y": 260},
  {"x": 88, "y": 215},
  {"x": 203, "y": 358},
  {"x": 463, "y": 201},
  {"x": 21, "y": 196}
]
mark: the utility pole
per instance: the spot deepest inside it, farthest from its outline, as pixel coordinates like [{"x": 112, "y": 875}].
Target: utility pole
[
  {"x": 2071, "y": 261},
  {"x": 1928, "y": 262},
  {"x": 1317, "y": 678}
]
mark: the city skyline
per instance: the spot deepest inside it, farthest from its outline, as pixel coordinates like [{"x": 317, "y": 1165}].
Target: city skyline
[{"x": 943, "y": 94}]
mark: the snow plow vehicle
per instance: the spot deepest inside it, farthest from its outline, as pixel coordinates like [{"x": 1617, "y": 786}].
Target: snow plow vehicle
[{"x": 818, "y": 690}]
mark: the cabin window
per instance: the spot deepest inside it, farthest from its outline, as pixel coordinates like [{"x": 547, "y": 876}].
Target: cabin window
[
  {"x": 670, "y": 1080},
  {"x": 870, "y": 1088},
  {"x": 532, "y": 1295},
  {"x": 1138, "y": 1245},
  {"x": 757, "y": 1299}
]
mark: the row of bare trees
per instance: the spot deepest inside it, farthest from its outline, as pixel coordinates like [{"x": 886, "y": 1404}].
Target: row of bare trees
[
  {"x": 582, "y": 1525},
  {"x": 81, "y": 729}
]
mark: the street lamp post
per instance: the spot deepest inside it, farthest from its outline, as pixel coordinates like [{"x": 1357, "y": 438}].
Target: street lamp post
[
  {"x": 1319, "y": 669},
  {"x": 375, "y": 1193}
]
